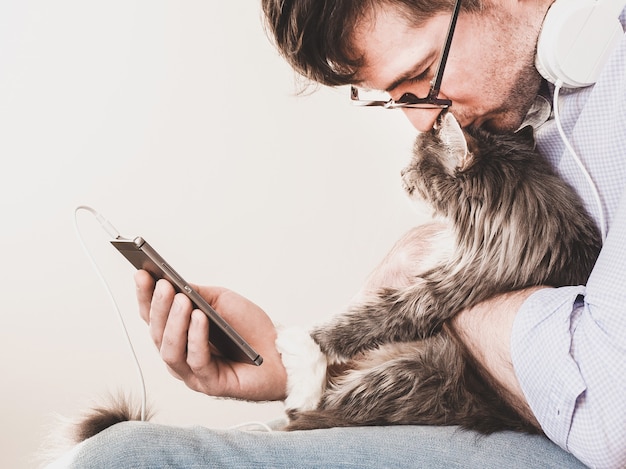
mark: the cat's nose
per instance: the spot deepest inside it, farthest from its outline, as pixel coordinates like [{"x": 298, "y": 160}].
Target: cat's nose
[{"x": 422, "y": 119}]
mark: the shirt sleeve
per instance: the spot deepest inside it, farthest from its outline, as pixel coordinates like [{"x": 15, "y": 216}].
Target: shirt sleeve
[
  {"x": 568, "y": 348},
  {"x": 568, "y": 345}
]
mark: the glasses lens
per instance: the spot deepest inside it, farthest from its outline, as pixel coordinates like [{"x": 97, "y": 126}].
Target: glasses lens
[
  {"x": 372, "y": 95},
  {"x": 408, "y": 100}
]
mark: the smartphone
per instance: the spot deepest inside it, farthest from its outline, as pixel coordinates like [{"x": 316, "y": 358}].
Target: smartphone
[{"x": 221, "y": 335}]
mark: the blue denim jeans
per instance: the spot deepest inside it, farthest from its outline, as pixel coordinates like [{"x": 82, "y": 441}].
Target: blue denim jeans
[{"x": 149, "y": 445}]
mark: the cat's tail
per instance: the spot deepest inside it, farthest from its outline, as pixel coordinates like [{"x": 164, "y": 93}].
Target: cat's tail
[
  {"x": 65, "y": 433},
  {"x": 318, "y": 418},
  {"x": 117, "y": 409}
]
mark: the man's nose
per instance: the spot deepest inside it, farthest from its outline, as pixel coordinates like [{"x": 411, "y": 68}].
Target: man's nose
[{"x": 422, "y": 119}]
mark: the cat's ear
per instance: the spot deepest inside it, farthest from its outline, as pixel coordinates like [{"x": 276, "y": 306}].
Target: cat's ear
[{"x": 453, "y": 138}]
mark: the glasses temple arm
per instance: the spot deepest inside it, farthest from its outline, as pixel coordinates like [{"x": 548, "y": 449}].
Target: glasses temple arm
[{"x": 436, "y": 83}]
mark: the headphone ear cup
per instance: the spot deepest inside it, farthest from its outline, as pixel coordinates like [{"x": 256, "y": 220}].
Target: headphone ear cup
[{"x": 576, "y": 40}]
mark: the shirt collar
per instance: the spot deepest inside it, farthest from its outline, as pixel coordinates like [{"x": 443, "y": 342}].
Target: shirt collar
[{"x": 538, "y": 114}]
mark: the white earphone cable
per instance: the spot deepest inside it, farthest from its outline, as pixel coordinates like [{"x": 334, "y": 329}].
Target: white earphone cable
[
  {"x": 115, "y": 234},
  {"x": 555, "y": 105},
  {"x": 253, "y": 423}
]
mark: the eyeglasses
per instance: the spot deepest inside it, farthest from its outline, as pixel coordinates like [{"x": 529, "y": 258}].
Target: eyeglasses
[{"x": 409, "y": 100}]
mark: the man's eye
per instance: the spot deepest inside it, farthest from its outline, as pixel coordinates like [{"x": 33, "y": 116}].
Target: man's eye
[{"x": 421, "y": 77}]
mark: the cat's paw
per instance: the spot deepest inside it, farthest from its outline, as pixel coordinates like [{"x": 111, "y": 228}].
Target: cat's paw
[
  {"x": 412, "y": 183},
  {"x": 410, "y": 179},
  {"x": 331, "y": 346}
]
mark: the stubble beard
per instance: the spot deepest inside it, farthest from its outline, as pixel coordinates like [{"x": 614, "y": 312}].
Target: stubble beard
[
  {"x": 526, "y": 80},
  {"x": 518, "y": 102}
]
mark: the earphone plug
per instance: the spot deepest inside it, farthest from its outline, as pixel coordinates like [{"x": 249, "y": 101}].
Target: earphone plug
[
  {"x": 108, "y": 227},
  {"x": 104, "y": 223}
]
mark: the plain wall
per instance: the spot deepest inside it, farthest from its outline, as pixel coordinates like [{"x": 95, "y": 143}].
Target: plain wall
[{"x": 177, "y": 121}]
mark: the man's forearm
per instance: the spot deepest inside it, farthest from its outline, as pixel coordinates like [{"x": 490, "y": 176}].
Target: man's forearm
[{"x": 486, "y": 332}]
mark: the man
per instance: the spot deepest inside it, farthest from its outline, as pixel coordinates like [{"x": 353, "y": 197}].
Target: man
[{"x": 558, "y": 354}]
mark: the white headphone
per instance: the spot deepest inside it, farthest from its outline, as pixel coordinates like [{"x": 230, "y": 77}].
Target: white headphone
[{"x": 576, "y": 40}]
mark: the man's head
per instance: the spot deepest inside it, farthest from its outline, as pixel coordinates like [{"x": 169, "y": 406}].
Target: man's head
[{"x": 395, "y": 45}]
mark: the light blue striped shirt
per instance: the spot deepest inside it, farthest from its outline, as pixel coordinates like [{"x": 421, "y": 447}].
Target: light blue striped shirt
[{"x": 569, "y": 344}]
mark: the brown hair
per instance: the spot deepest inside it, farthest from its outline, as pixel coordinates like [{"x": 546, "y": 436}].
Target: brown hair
[{"x": 314, "y": 36}]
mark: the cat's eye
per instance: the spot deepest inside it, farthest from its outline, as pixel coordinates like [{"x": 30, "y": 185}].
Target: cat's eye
[{"x": 409, "y": 100}]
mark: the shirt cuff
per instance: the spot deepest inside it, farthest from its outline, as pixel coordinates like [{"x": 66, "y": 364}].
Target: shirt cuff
[
  {"x": 306, "y": 368},
  {"x": 541, "y": 341}
]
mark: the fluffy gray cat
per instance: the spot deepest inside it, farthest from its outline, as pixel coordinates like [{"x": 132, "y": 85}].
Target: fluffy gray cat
[{"x": 512, "y": 223}]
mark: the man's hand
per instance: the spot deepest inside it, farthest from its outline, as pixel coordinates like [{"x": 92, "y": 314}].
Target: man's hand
[{"x": 181, "y": 335}]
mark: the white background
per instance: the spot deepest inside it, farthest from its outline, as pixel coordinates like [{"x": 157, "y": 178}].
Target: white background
[{"x": 178, "y": 121}]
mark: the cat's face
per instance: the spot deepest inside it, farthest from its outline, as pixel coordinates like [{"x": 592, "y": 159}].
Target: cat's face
[{"x": 445, "y": 146}]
